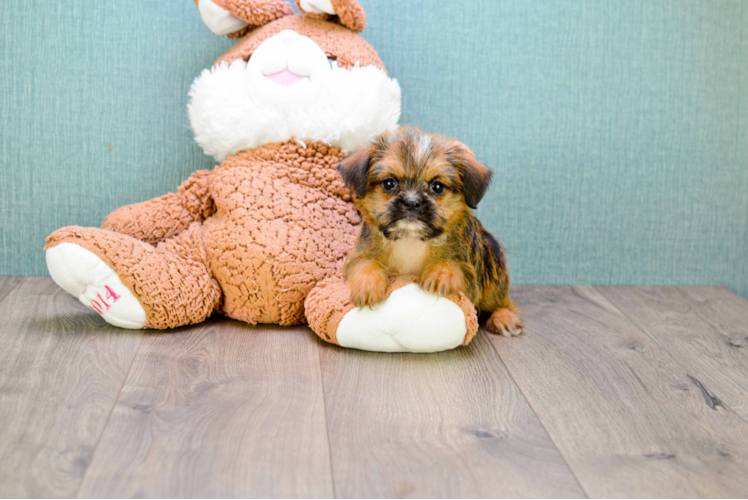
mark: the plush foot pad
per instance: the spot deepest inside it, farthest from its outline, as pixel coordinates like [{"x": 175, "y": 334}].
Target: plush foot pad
[
  {"x": 410, "y": 320},
  {"x": 85, "y": 276}
]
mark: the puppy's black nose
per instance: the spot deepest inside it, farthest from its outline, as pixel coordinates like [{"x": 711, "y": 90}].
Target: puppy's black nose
[{"x": 412, "y": 203}]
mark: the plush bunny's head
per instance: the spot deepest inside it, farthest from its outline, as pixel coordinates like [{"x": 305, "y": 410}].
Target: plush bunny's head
[{"x": 308, "y": 76}]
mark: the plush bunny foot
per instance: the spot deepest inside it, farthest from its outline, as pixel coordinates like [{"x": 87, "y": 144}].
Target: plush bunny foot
[
  {"x": 409, "y": 320},
  {"x": 84, "y": 275},
  {"x": 159, "y": 287}
]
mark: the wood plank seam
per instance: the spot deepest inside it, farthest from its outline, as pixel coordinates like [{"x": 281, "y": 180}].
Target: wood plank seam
[
  {"x": 111, "y": 410},
  {"x": 511, "y": 375},
  {"x": 703, "y": 327},
  {"x": 61, "y": 367},
  {"x": 628, "y": 418},
  {"x": 705, "y": 318},
  {"x": 221, "y": 409},
  {"x": 710, "y": 399},
  {"x": 451, "y": 424},
  {"x": 327, "y": 420},
  {"x": 15, "y": 285}
]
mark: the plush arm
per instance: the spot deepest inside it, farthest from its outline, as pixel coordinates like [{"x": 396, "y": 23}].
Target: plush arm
[{"x": 161, "y": 218}]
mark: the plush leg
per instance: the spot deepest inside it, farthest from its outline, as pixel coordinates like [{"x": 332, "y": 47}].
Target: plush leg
[
  {"x": 409, "y": 320},
  {"x": 133, "y": 284}
]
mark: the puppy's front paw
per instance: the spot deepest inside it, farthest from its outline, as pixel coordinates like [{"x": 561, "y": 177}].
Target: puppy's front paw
[
  {"x": 504, "y": 322},
  {"x": 368, "y": 288},
  {"x": 442, "y": 279}
]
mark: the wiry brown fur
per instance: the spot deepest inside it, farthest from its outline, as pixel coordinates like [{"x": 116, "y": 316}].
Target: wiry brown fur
[{"x": 419, "y": 228}]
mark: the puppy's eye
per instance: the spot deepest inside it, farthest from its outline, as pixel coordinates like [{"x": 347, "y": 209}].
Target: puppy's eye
[
  {"x": 389, "y": 185},
  {"x": 437, "y": 187}
]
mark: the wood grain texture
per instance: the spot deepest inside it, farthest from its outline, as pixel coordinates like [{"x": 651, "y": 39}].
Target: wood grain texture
[
  {"x": 629, "y": 420},
  {"x": 726, "y": 311},
  {"x": 8, "y": 283},
  {"x": 222, "y": 409},
  {"x": 635, "y": 387},
  {"x": 451, "y": 424},
  {"x": 61, "y": 368},
  {"x": 708, "y": 337}
]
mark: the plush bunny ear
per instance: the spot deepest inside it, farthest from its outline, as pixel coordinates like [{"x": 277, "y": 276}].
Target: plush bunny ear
[
  {"x": 349, "y": 13},
  {"x": 235, "y": 17}
]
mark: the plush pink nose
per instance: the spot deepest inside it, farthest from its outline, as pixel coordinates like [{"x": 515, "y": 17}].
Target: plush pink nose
[{"x": 288, "y": 36}]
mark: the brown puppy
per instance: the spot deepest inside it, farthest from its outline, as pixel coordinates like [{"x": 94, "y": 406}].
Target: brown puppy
[{"x": 414, "y": 191}]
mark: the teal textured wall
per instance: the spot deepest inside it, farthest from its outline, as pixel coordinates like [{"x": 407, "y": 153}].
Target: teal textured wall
[{"x": 617, "y": 130}]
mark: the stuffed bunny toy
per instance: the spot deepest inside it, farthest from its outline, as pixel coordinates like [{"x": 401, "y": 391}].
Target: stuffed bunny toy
[{"x": 261, "y": 238}]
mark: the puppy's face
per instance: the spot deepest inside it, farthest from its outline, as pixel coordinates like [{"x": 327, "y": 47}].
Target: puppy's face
[{"x": 411, "y": 184}]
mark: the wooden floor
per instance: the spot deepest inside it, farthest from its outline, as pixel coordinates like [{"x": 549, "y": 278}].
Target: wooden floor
[{"x": 612, "y": 392}]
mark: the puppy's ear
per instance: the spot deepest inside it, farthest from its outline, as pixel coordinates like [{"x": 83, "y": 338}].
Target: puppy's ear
[
  {"x": 355, "y": 171},
  {"x": 476, "y": 177}
]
